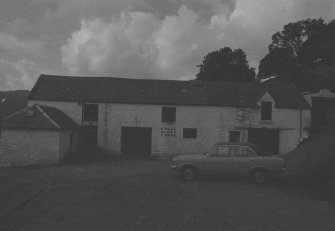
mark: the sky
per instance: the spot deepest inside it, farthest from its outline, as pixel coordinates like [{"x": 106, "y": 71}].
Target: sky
[{"x": 156, "y": 39}]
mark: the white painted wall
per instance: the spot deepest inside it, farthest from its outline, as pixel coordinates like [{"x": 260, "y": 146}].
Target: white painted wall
[
  {"x": 29, "y": 147},
  {"x": 213, "y": 124}
]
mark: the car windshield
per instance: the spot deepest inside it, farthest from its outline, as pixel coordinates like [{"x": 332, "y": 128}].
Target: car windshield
[
  {"x": 258, "y": 151},
  {"x": 210, "y": 151}
]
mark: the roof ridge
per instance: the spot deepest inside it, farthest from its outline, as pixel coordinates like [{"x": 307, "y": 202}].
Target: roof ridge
[
  {"x": 47, "y": 116},
  {"x": 109, "y": 77}
]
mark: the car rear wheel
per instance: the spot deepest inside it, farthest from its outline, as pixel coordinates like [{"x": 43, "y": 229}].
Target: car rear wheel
[
  {"x": 188, "y": 173},
  {"x": 260, "y": 176}
]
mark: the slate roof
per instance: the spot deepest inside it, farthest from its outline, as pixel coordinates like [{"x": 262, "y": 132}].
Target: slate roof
[
  {"x": 162, "y": 92},
  {"x": 39, "y": 117}
]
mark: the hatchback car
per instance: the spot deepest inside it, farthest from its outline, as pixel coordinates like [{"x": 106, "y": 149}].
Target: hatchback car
[{"x": 230, "y": 159}]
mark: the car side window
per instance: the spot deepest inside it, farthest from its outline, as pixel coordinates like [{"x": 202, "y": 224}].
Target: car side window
[
  {"x": 224, "y": 151},
  {"x": 240, "y": 151},
  {"x": 251, "y": 153},
  {"x": 243, "y": 151}
]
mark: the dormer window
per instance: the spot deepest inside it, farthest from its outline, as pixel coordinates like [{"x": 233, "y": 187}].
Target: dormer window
[{"x": 266, "y": 110}]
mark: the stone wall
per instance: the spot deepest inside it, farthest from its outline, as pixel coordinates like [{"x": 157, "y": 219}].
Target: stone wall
[
  {"x": 212, "y": 123},
  {"x": 29, "y": 147}
]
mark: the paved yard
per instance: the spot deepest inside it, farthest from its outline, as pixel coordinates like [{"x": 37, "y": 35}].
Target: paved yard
[{"x": 147, "y": 195}]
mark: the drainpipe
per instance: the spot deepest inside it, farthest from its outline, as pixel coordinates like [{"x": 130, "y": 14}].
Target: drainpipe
[
  {"x": 300, "y": 124},
  {"x": 0, "y": 125},
  {"x": 82, "y": 128}
]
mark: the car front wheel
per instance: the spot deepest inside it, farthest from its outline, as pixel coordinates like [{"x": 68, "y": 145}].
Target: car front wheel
[
  {"x": 260, "y": 176},
  {"x": 188, "y": 173}
]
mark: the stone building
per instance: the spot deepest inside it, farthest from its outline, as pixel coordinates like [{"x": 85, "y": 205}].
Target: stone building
[{"x": 162, "y": 118}]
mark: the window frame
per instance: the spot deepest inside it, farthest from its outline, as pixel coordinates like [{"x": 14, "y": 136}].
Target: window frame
[
  {"x": 168, "y": 116},
  {"x": 91, "y": 117},
  {"x": 266, "y": 110}
]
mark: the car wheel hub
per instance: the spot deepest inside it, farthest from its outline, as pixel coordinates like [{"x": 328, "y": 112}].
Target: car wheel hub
[
  {"x": 188, "y": 174},
  {"x": 259, "y": 177}
]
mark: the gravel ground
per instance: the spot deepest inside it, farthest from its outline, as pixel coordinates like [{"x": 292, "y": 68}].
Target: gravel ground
[{"x": 147, "y": 195}]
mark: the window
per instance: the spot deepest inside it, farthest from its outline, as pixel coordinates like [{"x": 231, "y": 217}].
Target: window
[
  {"x": 243, "y": 151},
  {"x": 224, "y": 151},
  {"x": 90, "y": 112},
  {"x": 239, "y": 151},
  {"x": 266, "y": 110},
  {"x": 168, "y": 114},
  {"x": 211, "y": 152},
  {"x": 234, "y": 136},
  {"x": 189, "y": 133}
]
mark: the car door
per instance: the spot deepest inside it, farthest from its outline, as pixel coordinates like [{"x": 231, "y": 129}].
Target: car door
[
  {"x": 224, "y": 162},
  {"x": 218, "y": 161},
  {"x": 205, "y": 165},
  {"x": 244, "y": 159}
]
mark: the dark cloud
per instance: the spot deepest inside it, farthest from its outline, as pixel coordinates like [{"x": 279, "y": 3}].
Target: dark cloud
[{"x": 137, "y": 38}]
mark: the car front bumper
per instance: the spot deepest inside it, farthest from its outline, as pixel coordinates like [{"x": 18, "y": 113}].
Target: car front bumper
[{"x": 174, "y": 166}]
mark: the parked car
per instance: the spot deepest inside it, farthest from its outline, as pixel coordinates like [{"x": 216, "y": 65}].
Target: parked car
[{"x": 230, "y": 159}]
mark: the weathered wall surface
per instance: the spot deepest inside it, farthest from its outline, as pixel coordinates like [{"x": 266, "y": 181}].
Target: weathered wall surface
[
  {"x": 213, "y": 125},
  {"x": 29, "y": 147},
  {"x": 68, "y": 143}
]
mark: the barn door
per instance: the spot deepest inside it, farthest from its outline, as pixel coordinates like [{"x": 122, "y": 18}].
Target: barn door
[
  {"x": 265, "y": 139},
  {"x": 136, "y": 142}
]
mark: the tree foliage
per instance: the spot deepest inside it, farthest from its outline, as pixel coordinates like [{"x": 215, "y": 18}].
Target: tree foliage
[
  {"x": 296, "y": 49},
  {"x": 295, "y": 34},
  {"x": 225, "y": 64}
]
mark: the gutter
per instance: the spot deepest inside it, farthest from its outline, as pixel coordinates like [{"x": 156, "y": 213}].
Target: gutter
[{"x": 300, "y": 124}]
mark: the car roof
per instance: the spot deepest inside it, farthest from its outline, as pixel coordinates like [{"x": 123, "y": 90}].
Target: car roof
[{"x": 231, "y": 143}]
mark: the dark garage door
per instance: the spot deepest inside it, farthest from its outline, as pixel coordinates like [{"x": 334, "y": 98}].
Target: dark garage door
[
  {"x": 267, "y": 140},
  {"x": 135, "y": 141},
  {"x": 90, "y": 137},
  {"x": 323, "y": 111}
]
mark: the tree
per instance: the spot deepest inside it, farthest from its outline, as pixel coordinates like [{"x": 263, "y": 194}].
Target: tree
[
  {"x": 278, "y": 62},
  {"x": 319, "y": 46},
  {"x": 297, "y": 49},
  {"x": 225, "y": 64},
  {"x": 295, "y": 34}
]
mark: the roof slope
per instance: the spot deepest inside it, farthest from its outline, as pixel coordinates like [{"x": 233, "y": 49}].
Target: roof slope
[
  {"x": 39, "y": 117},
  {"x": 149, "y": 91}
]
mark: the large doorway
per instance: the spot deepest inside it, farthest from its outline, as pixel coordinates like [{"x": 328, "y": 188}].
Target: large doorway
[
  {"x": 267, "y": 140},
  {"x": 90, "y": 137},
  {"x": 323, "y": 112},
  {"x": 136, "y": 142}
]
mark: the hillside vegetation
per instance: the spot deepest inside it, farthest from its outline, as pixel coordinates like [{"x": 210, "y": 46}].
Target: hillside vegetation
[
  {"x": 12, "y": 101},
  {"x": 314, "y": 156}
]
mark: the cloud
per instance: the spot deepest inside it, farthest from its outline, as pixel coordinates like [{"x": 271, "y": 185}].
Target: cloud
[
  {"x": 10, "y": 42},
  {"x": 144, "y": 44},
  {"x": 139, "y": 44},
  {"x": 21, "y": 74},
  {"x": 98, "y": 46},
  {"x": 140, "y": 38}
]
